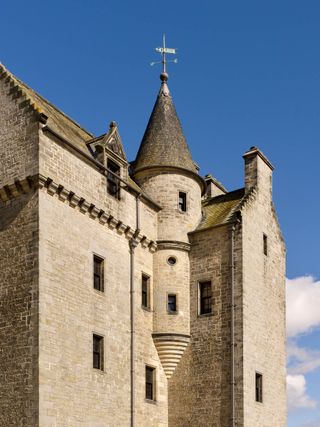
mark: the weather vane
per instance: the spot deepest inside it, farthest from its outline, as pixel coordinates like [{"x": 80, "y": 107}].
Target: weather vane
[{"x": 164, "y": 51}]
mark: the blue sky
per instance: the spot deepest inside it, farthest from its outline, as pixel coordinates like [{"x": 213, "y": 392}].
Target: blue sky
[{"x": 248, "y": 74}]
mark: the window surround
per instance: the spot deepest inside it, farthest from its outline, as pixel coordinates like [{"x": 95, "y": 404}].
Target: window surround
[
  {"x": 113, "y": 184},
  {"x": 258, "y": 387},
  {"x": 176, "y": 311},
  {"x": 148, "y": 296},
  {"x": 101, "y": 259},
  {"x": 265, "y": 244},
  {"x": 172, "y": 260},
  {"x": 98, "y": 362},
  {"x": 153, "y": 371},
  {"x": 183, "y": 206},
  {"x": 200, "y": 313}
]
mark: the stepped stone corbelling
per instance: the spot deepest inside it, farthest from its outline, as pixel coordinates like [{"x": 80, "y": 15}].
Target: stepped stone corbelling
[{"x": 170, "y": 349}]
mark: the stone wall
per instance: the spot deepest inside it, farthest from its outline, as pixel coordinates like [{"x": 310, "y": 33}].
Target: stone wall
[
  {"x": 164, "y": 189},
  {"x": 18, "y": 136},
  {"x": 19, "y": 312},
  {"x": 148, "y": 413},
  {"x": 71, "y": 310},
  {"x": 18, "y": 262},
  {"x": 263, "y": 306},
  {"x": 171, "y": 279},
  {"x": 68, "y": 170},
  {"x": 199, "y": 390}
]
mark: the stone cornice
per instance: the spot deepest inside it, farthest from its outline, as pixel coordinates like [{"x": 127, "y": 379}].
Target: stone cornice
[
  {"x": 20, "y": 187},
  {"x": 172, "y": 169},
  {"x": 173, "y": 244}
]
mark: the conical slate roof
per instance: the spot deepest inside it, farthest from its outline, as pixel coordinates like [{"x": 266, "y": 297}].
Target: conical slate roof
[{"x": 163, "y": 143}]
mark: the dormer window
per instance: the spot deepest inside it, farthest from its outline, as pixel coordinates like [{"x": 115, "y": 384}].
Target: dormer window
[
  {"x": 113, "y": 183},
  {"x": 182, "y": 201}
]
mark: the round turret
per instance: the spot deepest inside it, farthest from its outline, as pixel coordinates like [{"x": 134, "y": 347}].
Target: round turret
[{"x": 165, "y": 170}]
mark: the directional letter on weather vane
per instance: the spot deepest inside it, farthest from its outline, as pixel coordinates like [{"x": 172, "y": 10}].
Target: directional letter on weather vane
[{"x": 164, "y": 50}]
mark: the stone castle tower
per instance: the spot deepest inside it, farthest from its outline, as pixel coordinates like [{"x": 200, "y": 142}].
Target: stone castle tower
[{"x": 134, "y": 294}]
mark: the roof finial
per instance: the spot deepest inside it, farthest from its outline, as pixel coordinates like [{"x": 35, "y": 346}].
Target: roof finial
[{"x": 164, "y": 50}]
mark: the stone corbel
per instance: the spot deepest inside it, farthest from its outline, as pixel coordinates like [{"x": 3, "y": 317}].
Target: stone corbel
[
  {"x": 103, "y": 217},
  {"x": 52, "y": 188},
  {"x": 74, "y": 200},
  {"x": 94, "y": 211},
  {"x": 112, "y": 222}
]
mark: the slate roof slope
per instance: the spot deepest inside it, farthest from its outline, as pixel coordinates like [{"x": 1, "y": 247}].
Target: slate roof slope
[
  {"x": 163, "y": 143},
  {"x": 57, "y": 120},
  {"x": 219, "y": 210}
]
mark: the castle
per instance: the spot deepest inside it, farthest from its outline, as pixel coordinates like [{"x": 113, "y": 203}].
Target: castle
[{"x": 139, "y": 294}]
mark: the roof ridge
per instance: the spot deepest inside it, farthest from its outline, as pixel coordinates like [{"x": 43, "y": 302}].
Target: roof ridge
[{"x": 25, "y": 89}]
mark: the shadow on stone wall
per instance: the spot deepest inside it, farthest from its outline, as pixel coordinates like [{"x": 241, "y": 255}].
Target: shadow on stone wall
[{"x": 10, "y": 210}]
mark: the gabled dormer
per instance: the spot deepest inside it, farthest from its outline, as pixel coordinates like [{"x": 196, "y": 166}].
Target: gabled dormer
[{"x": 108, "y": 150}]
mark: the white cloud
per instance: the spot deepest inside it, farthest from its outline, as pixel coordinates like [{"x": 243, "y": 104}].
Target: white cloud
[
  {"x": 303, "y": 316},
  {"x": 303, "y": 302},
  {"x": 296, "y": 393},
  {"x": 301, "y": 360}
]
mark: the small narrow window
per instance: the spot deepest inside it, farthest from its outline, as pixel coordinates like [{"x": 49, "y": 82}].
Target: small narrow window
[
  {"x": 265, "y": 244},
  {"x": 182, "y": 201},
  {"x": 258, "y": 387},
  {"x": 145, "y": 291},
  {"x": 205, "y": 297},
  {"x": 98, "y": 273},
  {"x": 172, "y": 303},
  {"x": 98, "y": 352},
  {"x": 113, "y": 183},
  {"x": 150, "y": 383}
]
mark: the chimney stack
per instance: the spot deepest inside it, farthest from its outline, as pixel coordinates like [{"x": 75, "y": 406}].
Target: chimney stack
[{"x": 258, "y": 171}]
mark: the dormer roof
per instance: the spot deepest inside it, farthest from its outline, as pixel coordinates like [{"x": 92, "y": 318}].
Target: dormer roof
[{"x": 111, "y": 141}]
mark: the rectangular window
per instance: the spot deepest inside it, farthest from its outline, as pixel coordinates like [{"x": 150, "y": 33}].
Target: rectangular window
[
  {"x": 265, "y": 244},
  {"x": 150, "y": 383},
  {"x": 172, "y": 303},
  {"x": 98, "y": 352},
  {"x": 258, "y": 387},
  {"x": 113, "y": 183},
  {"x": 98, "y": 273},
  {"x": 205, "y": 297},
  {"x": 145, "y": 291},
  {"x": 182, "y": 201}
]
